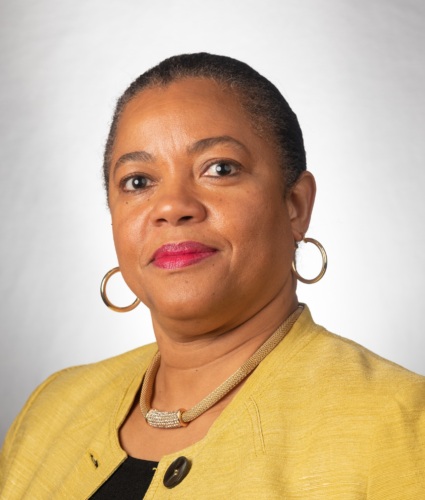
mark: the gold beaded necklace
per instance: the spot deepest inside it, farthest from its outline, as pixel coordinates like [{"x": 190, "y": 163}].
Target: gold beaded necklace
[{"x": 182, "y": 417}]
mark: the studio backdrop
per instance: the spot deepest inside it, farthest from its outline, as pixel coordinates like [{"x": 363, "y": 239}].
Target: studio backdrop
[{"x": 353, "y": 72}]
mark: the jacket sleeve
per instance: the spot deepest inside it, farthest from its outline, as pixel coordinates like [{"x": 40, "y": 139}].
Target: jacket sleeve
[
  {"x": 397, "y": 468},
  {"x": 9, "y": 453}
]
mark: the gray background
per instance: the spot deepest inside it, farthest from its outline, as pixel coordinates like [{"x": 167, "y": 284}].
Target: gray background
[{"x": 353, "y": 71}]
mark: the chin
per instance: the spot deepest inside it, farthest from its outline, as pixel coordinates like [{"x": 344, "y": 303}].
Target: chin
[{"x": 183, "y": 310}]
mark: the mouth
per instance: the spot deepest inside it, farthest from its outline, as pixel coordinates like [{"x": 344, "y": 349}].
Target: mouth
[{"x": 178, "y": 255}]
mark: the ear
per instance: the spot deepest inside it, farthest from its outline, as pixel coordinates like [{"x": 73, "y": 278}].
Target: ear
[{"x": 300, "y": 201}]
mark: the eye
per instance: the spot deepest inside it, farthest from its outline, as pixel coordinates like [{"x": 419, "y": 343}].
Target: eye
[
  {"x": 221, "y": 169},
  {"x": 135, "y": 183}
]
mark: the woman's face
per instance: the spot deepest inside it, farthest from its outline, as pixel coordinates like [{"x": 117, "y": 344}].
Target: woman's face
[{"x": 201, "y": 227}]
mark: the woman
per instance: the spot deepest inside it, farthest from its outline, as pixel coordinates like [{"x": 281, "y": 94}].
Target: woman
[{"x": 209, "y": 197}]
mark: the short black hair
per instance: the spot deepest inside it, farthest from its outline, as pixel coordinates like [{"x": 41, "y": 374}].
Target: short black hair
[{"x": 270, "y": 113}]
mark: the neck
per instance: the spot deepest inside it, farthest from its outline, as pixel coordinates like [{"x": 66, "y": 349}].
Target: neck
[{"x": 193, "y": 365}]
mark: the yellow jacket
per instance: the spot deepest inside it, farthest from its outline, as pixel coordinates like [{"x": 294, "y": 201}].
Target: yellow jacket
[{"x": 320, "y": 418}]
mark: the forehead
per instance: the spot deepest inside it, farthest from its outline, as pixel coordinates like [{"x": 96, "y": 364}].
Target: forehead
[
  {"x": 164, "y": 119},
  {"x": 194, "y": 101}
]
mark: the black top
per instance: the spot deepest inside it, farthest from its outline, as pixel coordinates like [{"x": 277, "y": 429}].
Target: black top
[{"x": 129, "y": 482}]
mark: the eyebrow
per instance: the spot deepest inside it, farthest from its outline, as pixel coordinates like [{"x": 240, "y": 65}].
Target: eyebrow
[
  {"x": 133, "y": 156},
  {"x": 197, "y": 147},
  {"x": 209, "y": 142}
]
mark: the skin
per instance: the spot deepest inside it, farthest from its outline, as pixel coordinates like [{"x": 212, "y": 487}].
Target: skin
[{"x": 208, "y": 317}]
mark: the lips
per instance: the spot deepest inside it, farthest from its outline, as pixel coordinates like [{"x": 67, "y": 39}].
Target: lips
[{"x": 178, "y": 255}]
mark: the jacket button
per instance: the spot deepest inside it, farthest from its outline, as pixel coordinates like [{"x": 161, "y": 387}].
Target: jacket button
[{"x": 177, "y": 471}]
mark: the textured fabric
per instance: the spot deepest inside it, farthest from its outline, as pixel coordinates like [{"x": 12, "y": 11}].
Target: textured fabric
[
  {"x": 129, "y": 482},
  {"x": 320, "y": 418}
]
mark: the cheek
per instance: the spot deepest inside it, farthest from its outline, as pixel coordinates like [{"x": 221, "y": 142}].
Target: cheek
[
  {"x": 263, "y": 217},
  {"x": 128, "y": 240},
  {"x": 128, "y": 236},
  {"x": 261, "y": 232}
]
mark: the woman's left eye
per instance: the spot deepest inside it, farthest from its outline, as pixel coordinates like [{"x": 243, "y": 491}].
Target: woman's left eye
[{"x": 221, "y": 169}]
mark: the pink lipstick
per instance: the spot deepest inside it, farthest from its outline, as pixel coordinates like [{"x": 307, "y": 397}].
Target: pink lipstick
[{"x": 178, "y": 255}]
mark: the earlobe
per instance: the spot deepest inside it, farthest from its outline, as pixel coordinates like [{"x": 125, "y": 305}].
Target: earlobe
[{"x": 300, "y": 201}]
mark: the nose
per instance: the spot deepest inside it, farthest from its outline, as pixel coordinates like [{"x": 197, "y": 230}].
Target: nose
[{"x": 177, "y": 204}]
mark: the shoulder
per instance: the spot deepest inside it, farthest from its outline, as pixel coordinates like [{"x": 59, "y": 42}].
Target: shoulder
[
  {"x": 347, "y": 388},
  {"x": 116, "y": 366},
  {"x": 342, "y": 365},
  {"x": 74, "y": 395},
  {"x": 348, "y": 362},
  {"x": 349, "y": 413},
  {"x": 78, "y": 383}
]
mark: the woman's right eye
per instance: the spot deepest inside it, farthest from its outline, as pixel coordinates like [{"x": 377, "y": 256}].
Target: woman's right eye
[{"x": 135, "y": 183}]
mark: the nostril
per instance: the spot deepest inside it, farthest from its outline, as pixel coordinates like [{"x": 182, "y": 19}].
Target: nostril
[{"x": 182, "y": 219}]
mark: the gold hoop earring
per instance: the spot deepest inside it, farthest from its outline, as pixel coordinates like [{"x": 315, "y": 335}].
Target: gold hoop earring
[
  {"x": 324, "y": 263},
  {"x": 105, "y": 299}
]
